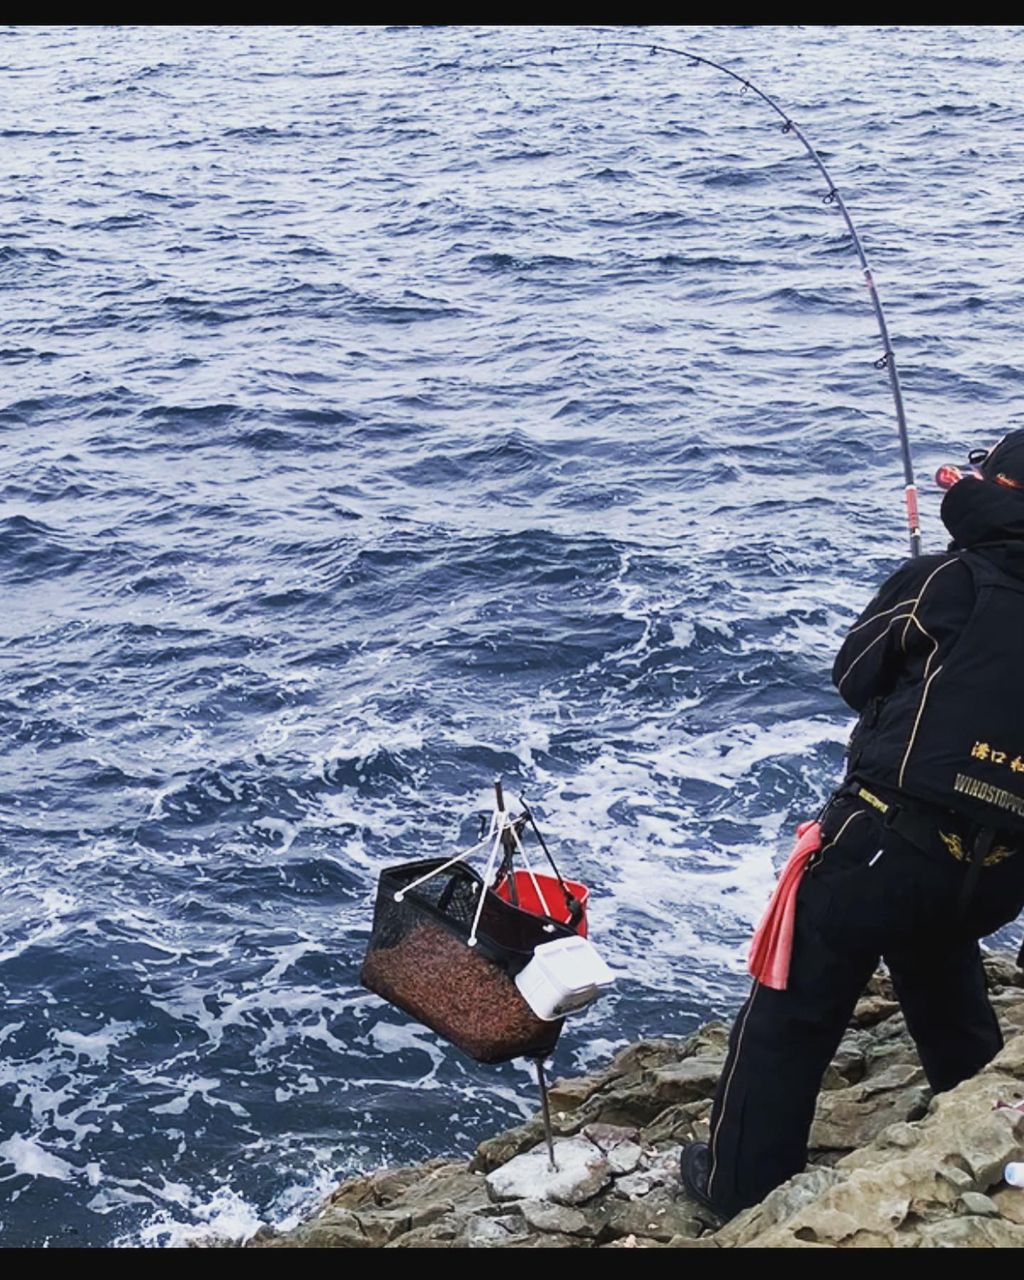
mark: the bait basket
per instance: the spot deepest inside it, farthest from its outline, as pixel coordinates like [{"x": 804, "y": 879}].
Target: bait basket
[{"x": 420, "y": 958}]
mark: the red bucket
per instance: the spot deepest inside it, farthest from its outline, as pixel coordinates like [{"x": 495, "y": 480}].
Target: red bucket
[{"x": 527, "y": 898}]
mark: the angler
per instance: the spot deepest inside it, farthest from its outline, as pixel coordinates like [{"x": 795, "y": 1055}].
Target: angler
[{"x": 918, "y": 855}]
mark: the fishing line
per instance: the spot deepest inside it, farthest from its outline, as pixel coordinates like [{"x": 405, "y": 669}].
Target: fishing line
[{"x": 887, "y": 360}]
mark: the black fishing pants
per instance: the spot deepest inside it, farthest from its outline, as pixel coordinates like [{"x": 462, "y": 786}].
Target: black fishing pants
[{"x": 869, "y": 895}]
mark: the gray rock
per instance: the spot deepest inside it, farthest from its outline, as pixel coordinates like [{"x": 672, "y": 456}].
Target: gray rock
[
  {"x": 778, "y": 1206},
  {"x": 971, "y": 1233},
  {"x": 848, "y": 1064},
  {"x": 439, "y": 1235},
  {"x": 1002, "y": 971},
  {"x": 541, "y": 1215},
  {"x": 500, "y": 1149},
  {"x": 987, "y": 1147},
  {"x": 1010, "y": 1203},
  {"x": 850, "y": 1118},
  {"x": 635, "y": 1185},
  {"x": 607, "y": 1136},
  {"x": 900, "y": 1135},
  {"x": 634, "y": 1242},
  {"x": 619, "y": 1143},
  {"x": 682, "y": 1122},
  {"x": 490, "y": 1233},
  {"x": 660, "y": 1171},
  {"x": 872, "y": 1009},
  {"x": 706, "y": 1241},
  {"x": 658, "y": 1216},
  {"x": 975, "y": 1202},
  {"x": 552, "y": 1241},
  {"x": 686, "y": 1081},
  {"x": 567, "y": 1095},
  {"x": 581, "y": 1171},
  {"x": 955, "y": 1176},
  {"x": 645, "y": 1054},
  {"x": 625, "y": 1157}
]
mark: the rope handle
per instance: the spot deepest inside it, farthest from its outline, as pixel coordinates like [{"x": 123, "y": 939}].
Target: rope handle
[
  {"x": 488, "y": 874},
  {"x": 503, "y": 825},
  {"x": 400, "y": 895},
  {"x": 572, "y": 903}
]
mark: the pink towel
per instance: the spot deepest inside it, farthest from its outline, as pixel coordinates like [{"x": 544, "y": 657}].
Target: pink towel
[{"x": 772, "y": 944}]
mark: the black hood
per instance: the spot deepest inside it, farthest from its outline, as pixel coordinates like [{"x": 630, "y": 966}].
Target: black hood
[
  {"x": 1005, "y": 463},
  {"x": 986, "y": 516}
]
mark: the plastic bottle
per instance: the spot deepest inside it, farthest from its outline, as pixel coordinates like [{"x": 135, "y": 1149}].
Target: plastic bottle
[{"x": 1014, "y": 1173}]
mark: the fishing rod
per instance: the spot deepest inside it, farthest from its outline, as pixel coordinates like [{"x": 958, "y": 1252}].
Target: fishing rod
[{"x": 887, "y": 360}]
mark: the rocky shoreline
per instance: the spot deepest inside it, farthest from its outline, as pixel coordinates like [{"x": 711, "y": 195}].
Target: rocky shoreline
[{"x": 890, "y": 1166}]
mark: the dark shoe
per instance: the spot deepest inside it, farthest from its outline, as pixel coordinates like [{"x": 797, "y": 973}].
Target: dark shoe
[{"x": 694, "y": 1170}]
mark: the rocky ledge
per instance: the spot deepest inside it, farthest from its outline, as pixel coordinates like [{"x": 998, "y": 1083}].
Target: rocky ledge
[{"x": 890, "y": 1166}]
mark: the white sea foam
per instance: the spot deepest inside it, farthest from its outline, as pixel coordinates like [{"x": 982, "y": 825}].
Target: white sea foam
[
  {"x": 279, "y": 827},
  {"x": 391, "y": 1037},
  {"x": 225, "y": 1215},
  {"x": 33, "y": 1160},
  {"x": 95, "y": 1046},
  {"x": 55, "y": 907},
  {"x": 196, "y": 1087}
]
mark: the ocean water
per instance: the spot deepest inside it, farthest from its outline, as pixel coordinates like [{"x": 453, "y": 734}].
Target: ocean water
[{"x": 386, "y": 410}]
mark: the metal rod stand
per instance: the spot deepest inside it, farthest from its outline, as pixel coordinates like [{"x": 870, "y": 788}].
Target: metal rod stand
[{"x": 542, "y": 1085}]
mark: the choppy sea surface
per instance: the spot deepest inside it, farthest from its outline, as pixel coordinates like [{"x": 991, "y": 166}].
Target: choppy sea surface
[{"x": 385, "y": 410}]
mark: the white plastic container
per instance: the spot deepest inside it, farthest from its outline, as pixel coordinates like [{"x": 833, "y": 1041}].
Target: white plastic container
[
  {"x": 563, "y": 976},
  {"x": 1014, "y": 1174}
]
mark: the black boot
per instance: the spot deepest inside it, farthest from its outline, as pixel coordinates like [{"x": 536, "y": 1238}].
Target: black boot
[{"x": 694, "y": 1169}]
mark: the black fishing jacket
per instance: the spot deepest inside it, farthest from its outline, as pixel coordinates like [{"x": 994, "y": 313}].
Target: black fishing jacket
[{"x": 934, "y": 667}]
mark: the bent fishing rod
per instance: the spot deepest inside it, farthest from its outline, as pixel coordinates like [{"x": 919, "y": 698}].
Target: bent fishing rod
[{"x": 887, "y": 360}]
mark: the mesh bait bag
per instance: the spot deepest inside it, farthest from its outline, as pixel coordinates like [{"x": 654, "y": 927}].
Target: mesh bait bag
[{"x": 419, "y": 959}]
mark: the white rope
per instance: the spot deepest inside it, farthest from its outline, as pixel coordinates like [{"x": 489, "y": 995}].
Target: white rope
[
  {"x": 529, "y": 870},
  {"x": 499, "y": 824},
  {"x": 488, "y": 871},
  {"x": 400, "y": 895}
]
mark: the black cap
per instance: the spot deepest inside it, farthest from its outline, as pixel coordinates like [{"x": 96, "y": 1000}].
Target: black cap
[{"x": 1004, "y": 465}]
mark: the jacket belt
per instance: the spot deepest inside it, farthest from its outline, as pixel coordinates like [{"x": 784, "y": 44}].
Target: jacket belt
[{"x": 919, "y": 825}]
